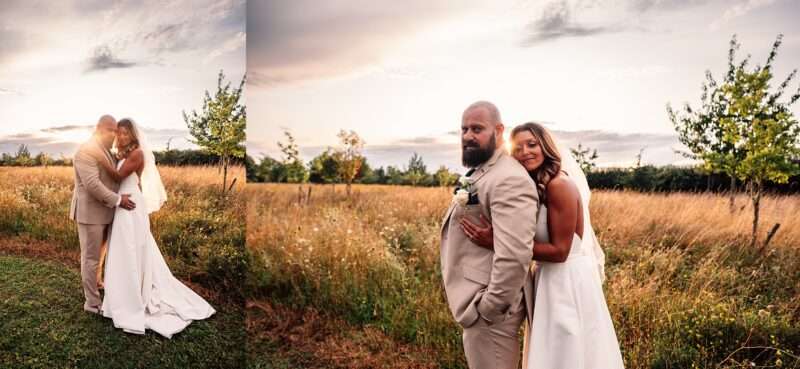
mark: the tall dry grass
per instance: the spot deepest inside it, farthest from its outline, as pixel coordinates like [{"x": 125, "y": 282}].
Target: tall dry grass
[
  {"x": 683, "y": 288},
  {"x": 200, "y": 233}
]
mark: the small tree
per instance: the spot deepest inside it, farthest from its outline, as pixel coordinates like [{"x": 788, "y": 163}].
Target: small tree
[
  {"x": 764, "y": 127},
  {"x": 220, "y": 127},
  {"x": 444, "y": 178},
  {"x": 703, "y": 131},
  {"x": 416, "y": 170},
  {"x": 293, "y": 169},
  {"x": 753, "y": 136},
  {"x": 585, "y": 157},
  {"x": 43, "y": 159},
  {"x": 349, "y": 156},
  {"x": 23, "y": 157}
]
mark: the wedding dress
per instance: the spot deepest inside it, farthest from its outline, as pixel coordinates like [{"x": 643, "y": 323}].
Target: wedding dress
[
  {"x": 571, "y": 328},
  {"x": 140, "y": 291}
]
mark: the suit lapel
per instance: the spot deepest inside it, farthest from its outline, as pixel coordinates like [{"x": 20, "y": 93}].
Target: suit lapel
[
  {"x": 474, "y": 175},
  {"x": 447, "y": 216}
]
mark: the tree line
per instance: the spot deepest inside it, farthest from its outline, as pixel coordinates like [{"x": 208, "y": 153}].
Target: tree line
[
  {"x": 23, "y": 158},
  {"x": 324, "y": 169},
  {"x": 342, "y": 165}
]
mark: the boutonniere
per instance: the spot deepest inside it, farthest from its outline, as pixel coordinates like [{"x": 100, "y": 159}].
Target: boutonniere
[{"x": 465, "y": 192}]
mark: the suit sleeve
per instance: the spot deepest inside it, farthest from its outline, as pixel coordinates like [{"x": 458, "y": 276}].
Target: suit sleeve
[
  {"x": 89, "y": 173},
  {"x": 514, "y": 209}
]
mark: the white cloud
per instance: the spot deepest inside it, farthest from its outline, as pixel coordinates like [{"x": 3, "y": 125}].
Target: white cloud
[
  {"x": 738, "y": 10},
  {"x": 234, "y": 43}
]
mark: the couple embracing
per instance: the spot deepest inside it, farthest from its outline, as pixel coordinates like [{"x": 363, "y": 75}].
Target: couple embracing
[
  {"x": 510, "y": 211},
  {"x": 113, "y": 198}
]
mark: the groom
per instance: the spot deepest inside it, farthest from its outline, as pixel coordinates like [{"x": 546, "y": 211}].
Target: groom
[
  {"x": 93, "y": 202},
  {"x": 485, "y": 288}
]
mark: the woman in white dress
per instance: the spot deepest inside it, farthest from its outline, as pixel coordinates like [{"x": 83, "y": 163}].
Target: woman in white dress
[
  {"x": 140, "y": 291},
  {"x": 571, "y": 328}
]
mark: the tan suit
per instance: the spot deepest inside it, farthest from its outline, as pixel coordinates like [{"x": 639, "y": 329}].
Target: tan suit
[
  {"x": 94, "y": 200},
  {"x": 484, "y": 287}
]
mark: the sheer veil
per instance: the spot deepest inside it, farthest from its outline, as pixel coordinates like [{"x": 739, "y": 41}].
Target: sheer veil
[
  {"x": 589, "y": 244},
  {"x": 152, "y": 187}
]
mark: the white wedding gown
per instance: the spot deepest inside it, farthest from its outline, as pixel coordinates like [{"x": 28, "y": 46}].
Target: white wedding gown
[
  {"x": 571, "y": 328},
  {"x": 140, "y": 291}
]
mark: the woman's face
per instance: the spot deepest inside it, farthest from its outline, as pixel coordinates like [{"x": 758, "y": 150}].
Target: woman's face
[
  {"x": 527, "y": 150},
  {"x": 124, "y": 137}
]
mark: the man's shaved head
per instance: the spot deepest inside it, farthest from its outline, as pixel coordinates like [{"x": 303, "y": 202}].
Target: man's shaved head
[
  {"x": 106, "y": 121},
  {"x": 491, "y": 109},
  {"x": 106, "y": 130}
]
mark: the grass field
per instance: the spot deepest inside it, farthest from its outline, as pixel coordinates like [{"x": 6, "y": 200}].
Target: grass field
[
  {"x": 200, "y": 233},
  {"x": 44, "y": 327},
  {"x": 684, "y": 288}
]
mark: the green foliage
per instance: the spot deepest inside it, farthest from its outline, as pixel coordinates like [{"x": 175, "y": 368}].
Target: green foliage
[
  {"x": 673, "y": 179},
  {"x": 585, "y": 157},
  {"x": 325, "y": 167},
  {"x": 220, "y": 126},
  {"x": 743, "y": 129},
  {"x": 267, "y": 170},
  {"x": 291, "y": 169},
  {"x": 416, "y": 171},
  {"x": 704, "y": 130},
  {"x": 190, "y": 157},
  {"x": 444, "y": 177},
  {"x": 23, "y": 158}
]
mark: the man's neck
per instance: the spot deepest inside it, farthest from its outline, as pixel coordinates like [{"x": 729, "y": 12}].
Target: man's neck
[{"x": 99, "y": 142}]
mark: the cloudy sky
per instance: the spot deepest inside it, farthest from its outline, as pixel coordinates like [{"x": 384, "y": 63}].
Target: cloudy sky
[
  {"x": 65, "y": 63},
  {"x": 598, "y": 72}
]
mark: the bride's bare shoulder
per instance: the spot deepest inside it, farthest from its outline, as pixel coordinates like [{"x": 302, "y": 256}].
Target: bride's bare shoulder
[
  {"x": 562, "y": 186},
  {"x": 136, "y": 155}
]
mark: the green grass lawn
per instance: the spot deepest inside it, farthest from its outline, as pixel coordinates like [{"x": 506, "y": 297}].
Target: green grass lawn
[{"x": 43, "y": 325}]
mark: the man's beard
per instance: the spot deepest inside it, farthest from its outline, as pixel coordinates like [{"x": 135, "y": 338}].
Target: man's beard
[{"x": 477, "y": 155}]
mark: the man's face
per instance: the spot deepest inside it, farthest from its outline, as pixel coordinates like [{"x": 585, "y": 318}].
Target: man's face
[
  {"x": 106, "y": 132},
  {"x": 478, "y": 137}
]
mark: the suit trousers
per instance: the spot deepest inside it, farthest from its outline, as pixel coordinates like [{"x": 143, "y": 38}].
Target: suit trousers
[
  {"x": 494, "y": 346},
  {"x": 91, "y": 238}
]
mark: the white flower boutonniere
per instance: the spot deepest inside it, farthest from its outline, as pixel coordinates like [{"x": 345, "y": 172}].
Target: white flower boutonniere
[
  {"x": 463, "y": 191},
  {"x": 461, "y": 196}
]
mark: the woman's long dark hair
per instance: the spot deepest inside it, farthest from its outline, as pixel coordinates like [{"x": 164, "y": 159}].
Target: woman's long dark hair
[
  {"x": 127, "y": 123},
  {"x": 552, "y": 158}
]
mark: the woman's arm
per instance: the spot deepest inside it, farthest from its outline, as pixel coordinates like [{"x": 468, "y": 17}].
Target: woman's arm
[
  {"x": 132, "y": 163},
  {"x": 562, "y": 220}
]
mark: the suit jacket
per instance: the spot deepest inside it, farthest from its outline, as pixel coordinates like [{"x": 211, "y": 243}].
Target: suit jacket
[
  {"x": 480, "y": 282},
  {"x": 95, "y": 195}
]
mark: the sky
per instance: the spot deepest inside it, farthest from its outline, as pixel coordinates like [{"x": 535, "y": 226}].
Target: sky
[
  {"x": 63, "y": 64},
  {"x": 596, "y": 72}
]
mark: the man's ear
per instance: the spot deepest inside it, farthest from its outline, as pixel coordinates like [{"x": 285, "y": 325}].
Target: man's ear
[{"x": 498, "y": 130}]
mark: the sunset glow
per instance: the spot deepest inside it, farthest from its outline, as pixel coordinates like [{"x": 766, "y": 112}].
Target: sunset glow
[{"x": 598, "y": 73}]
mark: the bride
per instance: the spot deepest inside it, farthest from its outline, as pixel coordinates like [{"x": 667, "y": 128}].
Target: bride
[
  {"x": 140, "y": 291},
  {"x": 571, "y": 326}
]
